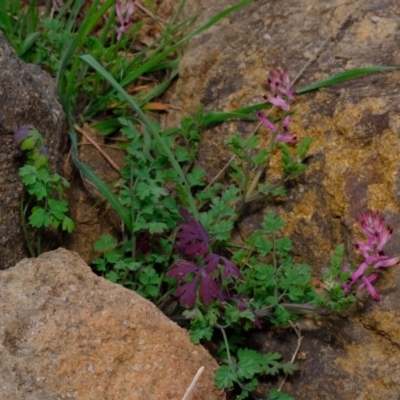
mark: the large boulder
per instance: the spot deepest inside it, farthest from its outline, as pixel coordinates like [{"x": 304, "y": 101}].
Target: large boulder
[
  {"x": 27, "y": 97},
  {"x": 355, "y": 125},
  {"x": 353, "y": 163},
  {"x": 67, "y": 333}
]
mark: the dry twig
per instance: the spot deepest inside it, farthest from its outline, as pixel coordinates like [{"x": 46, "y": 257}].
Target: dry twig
[
  {"x": 299, "y": 341},
  {"x": 193, "y": 384}
]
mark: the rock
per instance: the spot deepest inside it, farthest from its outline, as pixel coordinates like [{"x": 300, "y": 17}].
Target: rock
[
  {"x": 67, "y": 333},
  {"x": 27, "y": 97},
  {"x": 353, "y": 163}
]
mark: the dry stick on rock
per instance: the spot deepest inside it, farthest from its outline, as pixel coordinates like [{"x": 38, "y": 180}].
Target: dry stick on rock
[
  {"x": 99, "y": 149},
  {"x": 192, "y": 385},
  {"x": 308, "y": 63},
  {"x": 151, "y": 15},
  {"x": 299, "y": 341}
]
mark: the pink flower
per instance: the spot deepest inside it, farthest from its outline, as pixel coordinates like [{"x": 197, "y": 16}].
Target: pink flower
[
  {"x": 278, "y": 101},
  {"x": 124, "y": 10},
  {"x": 279, "y": 85},
  {"x": 372, "y": 224},
  {"x": 283, "y": 135},
  {"x": 279, "y": 81},
  {"x": 367, "y": 283}
]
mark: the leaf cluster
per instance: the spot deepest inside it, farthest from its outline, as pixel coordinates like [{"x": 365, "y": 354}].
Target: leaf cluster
[
  {"x": 246, "y": 366},
  {"x": 44, "y": 188}
]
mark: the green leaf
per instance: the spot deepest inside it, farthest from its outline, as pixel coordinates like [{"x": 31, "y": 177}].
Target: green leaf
[
  {"x": 283, "y": 245},
  {"x": 113, "y": 258},
  {"x": 39, "y": 217},
  {"x": 149, "y": 276},
  {"x": 222, "y": 230},
  {"x": 196, "y": 177},
  {"x": 289, "y": 368},
  {"x": 303, "y": 147},
  {"x": 225, "y": 377},
  {"x": 275, "y": 395},
  {"x": 58, "y": 208},
  {"x": 212, "y": 315},
  {"x": 290, "y": 165},
  {"x": 29, "y": 143},
  {"x": 272, "y": 224},
  {"x": 112, "y": 276},
  {"x": 231, "y": 194},
  {"x": 182, "y": 154},
  {"x": 105, "y": 243},
  {"x": 260, "y": 158},
  {"x": 200, "y": 330},
  {"x": 28, "y": 43},
  {"x": 265, "y": 274},
  {"x": 28, "y": 173},
  {"x": 263, "y": 245},
  {"x": 156, "y": 227},
  {"x": 249, "y": 363},
  {"x": 247, "y": 389},
  {"x": 68, "y": 225},
  {"x": 345, "y": 76}
]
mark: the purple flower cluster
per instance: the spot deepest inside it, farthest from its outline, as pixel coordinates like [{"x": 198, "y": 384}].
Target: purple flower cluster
[
  {"x": 30, "y": 139},
  {"x": 280, "y": 95},
  {"x": 193, "y": 241},
  {"x": 280, "y": 87},
  {"x": 377, "y": 233},
  {"x": 124, "y": 10},
  {"x": 22, "y": 133}
]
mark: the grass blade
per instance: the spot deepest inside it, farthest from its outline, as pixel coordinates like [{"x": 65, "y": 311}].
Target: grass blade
[
  {"x": 345, "y": 76},
  {"x": 100, "y": 185},
  {"x": 91, "y": 19},
  {"x": 28, "y": 43}
]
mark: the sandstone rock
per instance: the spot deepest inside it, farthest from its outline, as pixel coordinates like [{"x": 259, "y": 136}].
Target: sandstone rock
[
  {"x": 27, "y": 97},
  {"x": 354, "y": 161},
  {"x": 67, "y": 334}
]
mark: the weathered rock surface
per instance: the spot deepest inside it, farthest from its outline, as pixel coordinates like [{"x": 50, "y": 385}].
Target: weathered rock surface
[
  {"x": 67, "y": 334},
  {"x": 355, "y": 125},
  {"x": 27, "y": 97},
  {"x": 353, "y": 164}
]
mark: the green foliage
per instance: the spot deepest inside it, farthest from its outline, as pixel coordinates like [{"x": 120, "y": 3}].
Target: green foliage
[
  {"x": 43, "y": 187},
  {"x": 333, "y": 279},
  {"x": 256, "y": 279},
  {"x": 243, "y": 369}
]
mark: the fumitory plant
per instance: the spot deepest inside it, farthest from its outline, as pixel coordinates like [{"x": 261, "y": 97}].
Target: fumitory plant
[
  {"x": 260, "y": 281},
  {"x": 377, "y": 233},
  {"x": 40, "y": 203}
]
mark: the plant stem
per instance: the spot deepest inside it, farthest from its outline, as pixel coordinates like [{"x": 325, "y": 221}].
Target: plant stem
[
  {"x": 270, "y": 148},
  {"x": 228, "y": 354},
  {"x": 22, "y": 211},
  {"x": 133, "y": 236},
  {"x": 274, "y": 262}
]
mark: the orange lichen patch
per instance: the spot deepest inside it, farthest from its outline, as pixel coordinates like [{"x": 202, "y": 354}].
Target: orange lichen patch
[
  {"x": 380, "y": 197},
  {"x": 304, "y": 209},
  {"x": 377, "y": 351},
  {"x": 374, "y": 26}
]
